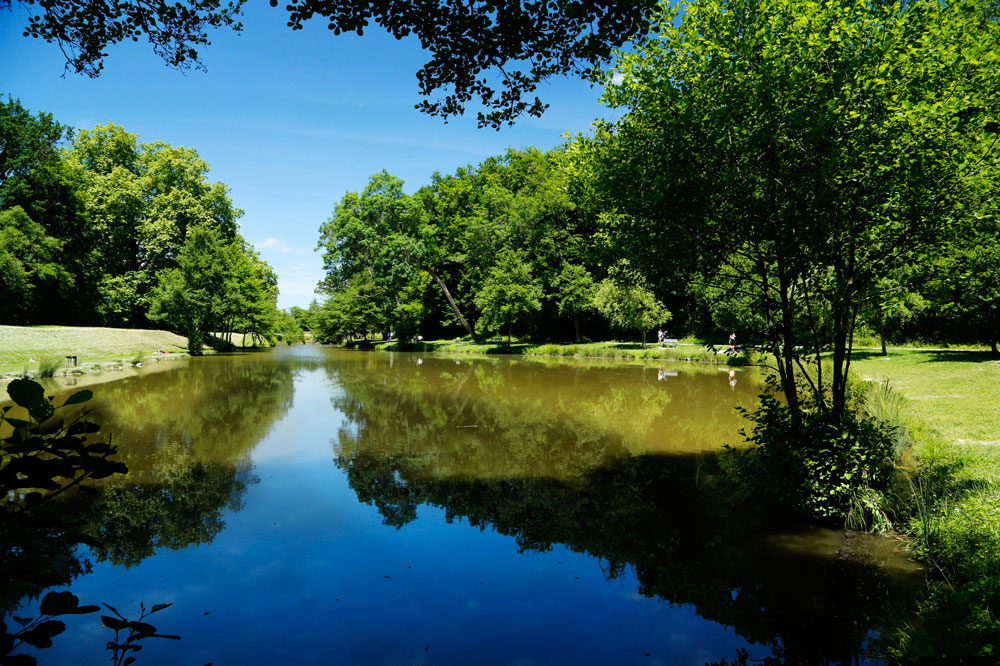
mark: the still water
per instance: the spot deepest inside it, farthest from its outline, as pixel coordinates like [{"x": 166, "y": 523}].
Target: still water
[{"x": 317, "y": 506}]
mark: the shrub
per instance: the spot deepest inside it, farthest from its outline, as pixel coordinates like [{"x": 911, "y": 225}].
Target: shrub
[{"x": 825, "y": 471}]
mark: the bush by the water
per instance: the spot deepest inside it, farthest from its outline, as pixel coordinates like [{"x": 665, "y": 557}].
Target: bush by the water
[{"x": 817, "y": 468}]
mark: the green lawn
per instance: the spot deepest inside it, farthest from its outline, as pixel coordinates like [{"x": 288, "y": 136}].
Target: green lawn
[
  {"x": 956, "y": 392},
  {"x": 686, "y": 350},
  {"x": 22, "y": 347}
]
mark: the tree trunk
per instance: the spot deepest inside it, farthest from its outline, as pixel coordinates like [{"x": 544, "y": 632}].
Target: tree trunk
[
  {"x": 881, "y": 332},
  {"x": 451, "y": 302},
  {"x": 642, "y": 333},
  {"x": 576, "y": 327}
]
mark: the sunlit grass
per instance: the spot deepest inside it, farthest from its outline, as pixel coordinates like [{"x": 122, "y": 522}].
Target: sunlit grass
[
  {"x": 23, "y": 347},
  {"x": 683, "y": 351},
  {"x": 957, "y": 392},
  {"x": 951, "y": 415}
]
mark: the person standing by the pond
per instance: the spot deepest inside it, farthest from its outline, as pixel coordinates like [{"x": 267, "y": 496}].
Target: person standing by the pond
[{"x": 732, "y": 341}]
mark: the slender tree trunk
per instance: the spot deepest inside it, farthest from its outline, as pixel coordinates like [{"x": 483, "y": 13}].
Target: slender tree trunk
[
  {"x": 451, "y": 302},
  {"x": 881, "y": 333},
  {"x": 576, "y": 327}
]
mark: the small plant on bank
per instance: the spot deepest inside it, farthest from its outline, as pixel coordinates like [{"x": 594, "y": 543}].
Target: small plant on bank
[{"x": 48, "y": 366}]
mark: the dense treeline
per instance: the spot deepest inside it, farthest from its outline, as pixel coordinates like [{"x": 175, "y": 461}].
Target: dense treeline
[
  {"x": 97, "y": 228},
  {"x": 493, "y": 248},
  {"x": 529, "y": 218}
]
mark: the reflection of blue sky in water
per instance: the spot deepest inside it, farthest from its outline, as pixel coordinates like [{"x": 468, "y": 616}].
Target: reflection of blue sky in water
[{"x": 305, "y": 574}]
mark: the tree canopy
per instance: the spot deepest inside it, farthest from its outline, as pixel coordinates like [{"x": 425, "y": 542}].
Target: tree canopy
[
  {"x": 520, "y": 44},
  {"x": 801, "y": 151}
]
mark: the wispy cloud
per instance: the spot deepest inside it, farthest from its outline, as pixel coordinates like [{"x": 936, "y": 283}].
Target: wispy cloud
[{"x": 273, "y": 243}]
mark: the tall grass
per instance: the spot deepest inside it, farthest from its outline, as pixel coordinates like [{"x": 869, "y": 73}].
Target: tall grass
[{"x": 48, "y": 366}]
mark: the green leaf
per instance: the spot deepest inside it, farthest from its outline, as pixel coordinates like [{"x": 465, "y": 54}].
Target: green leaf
[
  {"x": 30, "y": 395},
  {"x": 41, "y": 636},
  {"x": 78, "y": 397},
  {"x": 113, "y": 622}
]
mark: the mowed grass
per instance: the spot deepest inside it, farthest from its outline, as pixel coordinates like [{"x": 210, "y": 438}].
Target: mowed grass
[
  {"x": 21, "y": 347},
  {"x": 686, "y": 350},
  {"x": 958, "y": 392}
]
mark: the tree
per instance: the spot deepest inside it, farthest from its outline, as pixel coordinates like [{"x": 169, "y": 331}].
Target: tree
[
  {"x": 821, "y": 144},
  {"x": 627, "y": 303},
  {"x": 287, "y": 327},
  {"x": 26, "y": 140},
  {"x": 37, "y": 180},
  {"x": 574, "y": 293},
  {"x": 522, "y": 43},
  {"x": 380, "y": 239},
  {"x": 28, "y": 264},
  {"x": 217, "y": 287},
  {"x": 84, "y": 29},
  {"x": 509, "y": 293},
  {"x": 963, "y": 290},
  {"x": 141, "y": 199}
]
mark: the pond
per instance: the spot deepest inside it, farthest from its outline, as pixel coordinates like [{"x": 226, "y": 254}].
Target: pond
[{"x": 317, "y": 506}]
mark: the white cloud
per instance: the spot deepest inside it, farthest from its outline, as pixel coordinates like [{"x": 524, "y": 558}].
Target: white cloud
[{"x": 278, "y": 246}]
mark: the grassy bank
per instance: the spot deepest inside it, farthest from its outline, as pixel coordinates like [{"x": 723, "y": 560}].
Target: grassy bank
[
  {"x": 686, "y": 350},
  {"x": 26, "y": 348},
  {"x": 951, "y": 415}
]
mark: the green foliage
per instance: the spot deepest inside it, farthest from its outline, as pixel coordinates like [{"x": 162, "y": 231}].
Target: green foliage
[
  {"x": 142, "y": 200},
  {"x": 509, "y": 292},
  {"x": 627, "y": 303},
  {"x": 802, "y": 152},
  {"x": 217, "y": 286},
  {"x": 47, "y": 447},
  {"x": 574, "y": 293},
  {"x": 48, "y": 365},
  {"x": 831, "y": 472},
  {"x": 287, "y": 326}
]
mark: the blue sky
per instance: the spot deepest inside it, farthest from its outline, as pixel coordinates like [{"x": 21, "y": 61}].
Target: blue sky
[{"x": 290, "y": 121}]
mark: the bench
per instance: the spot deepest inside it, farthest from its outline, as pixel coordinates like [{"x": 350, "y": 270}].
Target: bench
[
  {"x": 70, "y": 360},
  {"x": 669, "y": 342}
]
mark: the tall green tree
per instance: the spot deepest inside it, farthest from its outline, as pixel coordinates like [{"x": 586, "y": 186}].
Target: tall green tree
[
  {"x": 574, "y": 293},
  {"x": 141, "y": 199},
  {"x": 29, "y": 263},
  {"x": 36, "y": 179},
  {"x": 821, "y": 144},
  {"x": 218, "y": 287},
  {"x": 627, "y": 303},
  {"x": 509, "y": 293}
]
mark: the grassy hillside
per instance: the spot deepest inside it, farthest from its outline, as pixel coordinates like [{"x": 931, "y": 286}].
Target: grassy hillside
[{"x": 23, "y": 347}]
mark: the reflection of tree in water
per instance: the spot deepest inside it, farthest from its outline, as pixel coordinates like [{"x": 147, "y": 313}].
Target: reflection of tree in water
[
  {"x": 543, "y": 477},
  {"x": 218, "y": 408},
  {"x": 186, "y": 437},
  {"x": 502, "y": 419}
]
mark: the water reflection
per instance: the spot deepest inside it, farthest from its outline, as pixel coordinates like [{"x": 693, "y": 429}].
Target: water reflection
[
  {"x": 186, "y": 435},
  {"x": 608, "y": 465},
  {"x": 496, "y": 418}
]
